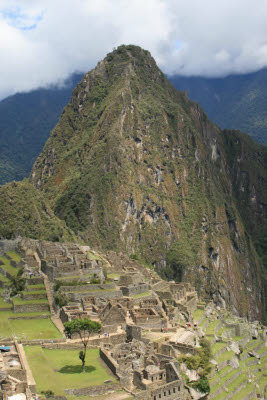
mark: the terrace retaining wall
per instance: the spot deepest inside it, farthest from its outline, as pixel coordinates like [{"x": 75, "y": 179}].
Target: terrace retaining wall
[
  {"x": 94, "y": 390},
  {"x": 25, "y": 308}
]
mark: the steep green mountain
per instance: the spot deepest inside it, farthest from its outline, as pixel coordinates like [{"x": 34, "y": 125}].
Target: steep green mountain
[
  {"x": 25, "y": 212},
  {"x": 26, "y": 119},
  {"x": 134, "y": 165},
  {"x": 233, "y": 102},
  {"x": 25, "y": 122}
]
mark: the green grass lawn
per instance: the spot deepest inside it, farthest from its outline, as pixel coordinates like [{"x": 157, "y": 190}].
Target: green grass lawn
[
  {"x": 14, "y": 256},
  {"x": 34, "y": 329},
  {"x": 8, "y": 306},
  {"x": 221, "y": 373},
  {"x": 40, "y": 291},
  {"x": 227, "y": 355},
  {"x": 37, "y": 287},
  {"x": 7, "y": 266},
  {"x": 211, "y": 327},
  {"x": 5, "y": 330},
  {"x": 112, "y": 276},
  {"x": 30, "y": 327},
  {"x": 139, "y": 296},
  {"x": 3, "y": 278},
  {"x": 58, "y": 370},
  {"x": 217, "y": 346},
  {"x": 198, "y": 314},
  {"x": 203, "y": 322},
  {"x": 18, "y": 301}
]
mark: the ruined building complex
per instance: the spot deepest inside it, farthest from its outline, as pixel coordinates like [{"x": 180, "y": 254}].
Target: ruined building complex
[{"x": 147, "y": 323}]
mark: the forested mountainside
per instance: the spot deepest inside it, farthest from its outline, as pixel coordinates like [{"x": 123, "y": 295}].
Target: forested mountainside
[
  {"x": 134, "y": 165},
  {"x": 26, "y": 120},
  {"x": 233, "y": 102}
]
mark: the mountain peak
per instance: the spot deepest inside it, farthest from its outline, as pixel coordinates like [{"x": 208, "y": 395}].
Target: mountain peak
[{"x": 133, "y": 165}]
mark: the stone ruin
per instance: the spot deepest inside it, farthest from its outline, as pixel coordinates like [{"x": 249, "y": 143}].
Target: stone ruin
[
  {"x": 13, "y": 375},
  {"x": 143, "y": 372}
]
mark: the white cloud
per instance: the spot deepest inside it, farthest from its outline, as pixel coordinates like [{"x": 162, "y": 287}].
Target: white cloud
[{"x": 42, "y": 42}]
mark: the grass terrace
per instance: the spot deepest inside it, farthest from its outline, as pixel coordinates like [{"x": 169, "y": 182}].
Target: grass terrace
[
  {"x": 112, "y": 276},
  {"x": 139, "y": 296},
  {"x": 3, "y": 278},
  {"x": 6, "y": 265},
  {"x": 29, "y": 328},
  {"x": 33, "y": 292},
  {"x": 58, "y": 370},
  {"x": 198, "y": 314},
  {"x": 211, "y": 327},
  {"x": 8, "y": 306},
  {"x": 14, "y": 256},
  {"x": 18, "y": 301},
  {"x": 40, "y": 286}
]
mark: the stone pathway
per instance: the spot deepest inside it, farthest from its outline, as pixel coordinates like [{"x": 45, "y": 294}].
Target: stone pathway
[
  {"x": 30, "y": 378},
  {"x": 54, "y": 317}
]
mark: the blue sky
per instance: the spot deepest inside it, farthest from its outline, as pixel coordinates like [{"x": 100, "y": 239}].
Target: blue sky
[
  {"x": 18, "y": 18},
  {"x": 42, "y": 42}
]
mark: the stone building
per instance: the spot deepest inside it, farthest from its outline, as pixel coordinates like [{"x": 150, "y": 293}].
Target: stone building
[
  {"x": 139, "y": 370},
  {"x": 113, "y": 314}
]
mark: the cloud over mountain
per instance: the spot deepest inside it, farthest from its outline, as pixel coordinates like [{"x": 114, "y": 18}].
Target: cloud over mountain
[{"x": 41, "y": 43}]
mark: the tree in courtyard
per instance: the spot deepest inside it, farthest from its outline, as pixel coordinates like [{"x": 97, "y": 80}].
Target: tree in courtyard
[{"x": 84, "y": 328}]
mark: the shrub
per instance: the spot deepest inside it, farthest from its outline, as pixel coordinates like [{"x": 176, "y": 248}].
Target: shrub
[
  {"x": 48, "y": 393},
  {"x": 202, "y": 385},
  {"x": 61, "y": 299}
]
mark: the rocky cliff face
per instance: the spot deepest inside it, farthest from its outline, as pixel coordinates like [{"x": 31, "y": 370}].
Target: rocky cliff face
[{"x": 134, "y": 165}]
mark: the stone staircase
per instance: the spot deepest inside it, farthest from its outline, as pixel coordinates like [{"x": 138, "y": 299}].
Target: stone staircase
[{"x": 54, "y": 317}]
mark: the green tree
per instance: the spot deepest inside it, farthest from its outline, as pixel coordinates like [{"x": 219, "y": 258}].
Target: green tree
[
  {"x": 85, "y": 328},
  {"x": 179, "y": 256},
  {"x": 17, "y": 283}
]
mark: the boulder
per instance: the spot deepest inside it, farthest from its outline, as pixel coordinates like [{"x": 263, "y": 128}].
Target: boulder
[
  {"x": 235, "y": 347},
  {"x": 195, "y": 394},
  {"x": 234, "y": 362},
  {"x": 190, "y": 373}
]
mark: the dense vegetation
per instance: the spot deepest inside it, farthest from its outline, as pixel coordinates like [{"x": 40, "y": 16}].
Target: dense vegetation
[
  {"x": 233, "y": 102},
  {"x": 26, "y": 119},
  {"x": 25, "y": 122}
]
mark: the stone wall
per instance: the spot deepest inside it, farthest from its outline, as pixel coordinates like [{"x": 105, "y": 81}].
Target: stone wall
[
  {"x": 17, "y": 317},
  {"x": 164, "y": 295},
  {"x": 169, "y": 391},
  {"x": 93, "y": 343},
  {"x": 25, "y": 308},
  {"x": 87, "y": 287},
  {"x": 4, "y": 272},
  {"x": 184, "y": 348},
  {"x": 112, "y": 294},
  {"x": 108, "y": 360},
  {"x": 133, "y": 332},
  {"x": 34, "y": 280},
  {"x": 9, "y": 245},
  {"x": 94, "y": 390},
  {"x": 17, "y": 373},
  {"x": 34, "y": 296},
  {"x": 132, "y": 290}
]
